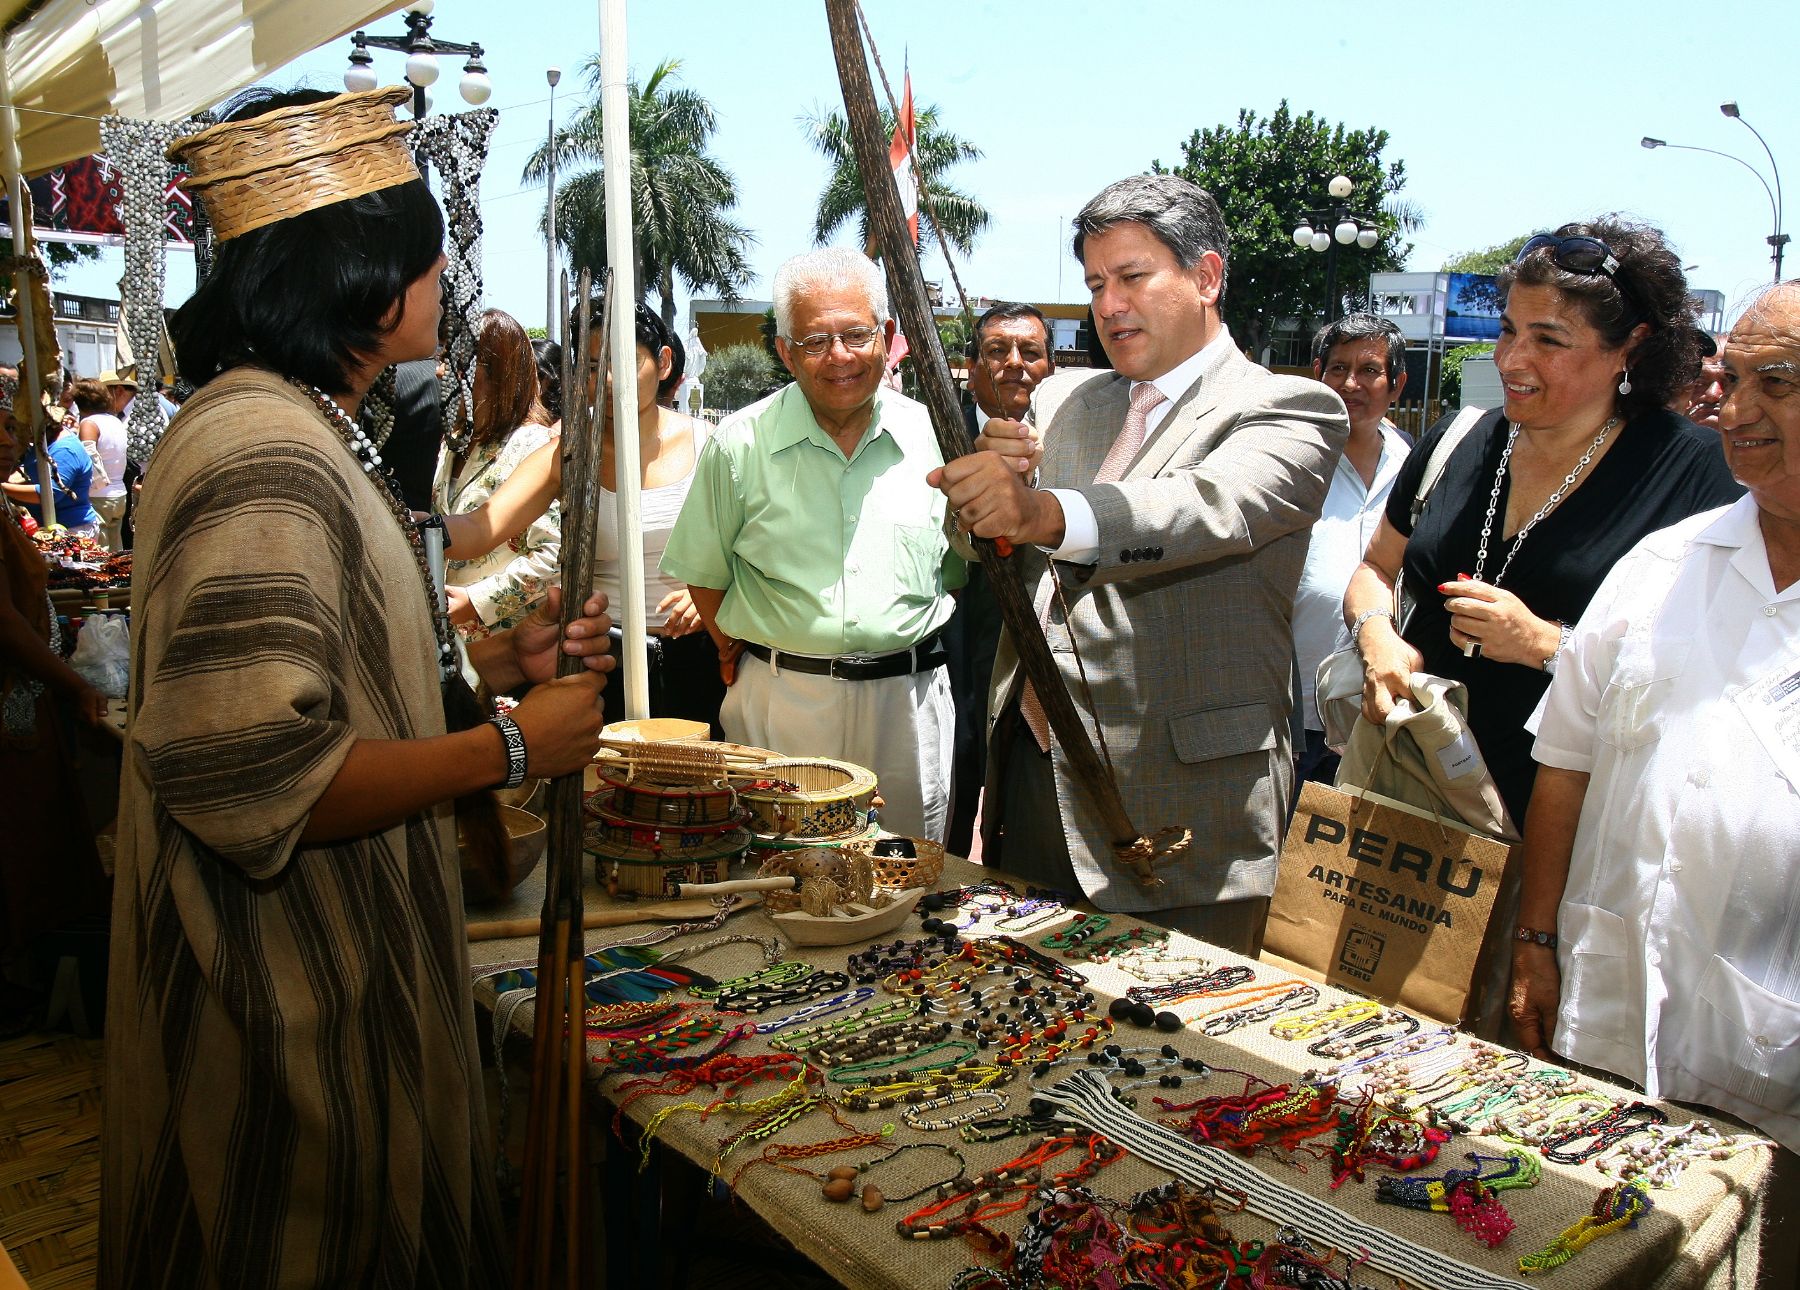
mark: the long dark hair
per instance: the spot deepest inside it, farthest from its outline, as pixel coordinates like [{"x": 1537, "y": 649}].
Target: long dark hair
[
  {"x": 308, "y": 296},
  {"x": 504, "y": 353}
]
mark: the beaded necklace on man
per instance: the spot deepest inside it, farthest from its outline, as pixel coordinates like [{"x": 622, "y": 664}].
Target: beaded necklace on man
[{"x": 363, "y": 449}]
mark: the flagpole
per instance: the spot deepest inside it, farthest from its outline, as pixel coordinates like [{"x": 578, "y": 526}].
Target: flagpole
[{"x": 615, "y": 119}]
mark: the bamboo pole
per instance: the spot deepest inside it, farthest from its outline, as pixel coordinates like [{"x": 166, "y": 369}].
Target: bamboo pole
[
  {"x": 907, "y": 288},
  {"x": 621, "y": 260},
  {"x": 559, "y": 1039}
]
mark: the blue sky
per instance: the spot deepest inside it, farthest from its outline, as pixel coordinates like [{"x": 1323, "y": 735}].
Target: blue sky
[{"x": 1508, "y": 117}]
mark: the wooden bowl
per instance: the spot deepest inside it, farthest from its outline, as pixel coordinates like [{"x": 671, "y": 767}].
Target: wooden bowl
[
  {"x": 850, "y": 925},
  {"x": 527, "y": 836}
]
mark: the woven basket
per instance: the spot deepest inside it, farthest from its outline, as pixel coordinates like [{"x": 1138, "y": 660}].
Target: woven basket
[
  {"x": 897, "y": 873},
  {"x": 283, "y": 163},
  {"x": 830, "y": 798},
  {"x": 640, "y": 867},
  {"x": 653, "y": 799},
  {"x": 853, "y": 877}
]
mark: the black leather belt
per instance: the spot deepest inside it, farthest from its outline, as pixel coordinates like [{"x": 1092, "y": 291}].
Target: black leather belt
[{"x": 923, "y": 657}]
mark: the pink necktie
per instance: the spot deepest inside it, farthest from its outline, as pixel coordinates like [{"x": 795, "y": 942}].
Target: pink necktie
[{"x": 1144, "y": 399}]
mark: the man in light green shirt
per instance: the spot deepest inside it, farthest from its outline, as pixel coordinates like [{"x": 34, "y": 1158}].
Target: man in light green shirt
[{"x": 817, "y": 554}]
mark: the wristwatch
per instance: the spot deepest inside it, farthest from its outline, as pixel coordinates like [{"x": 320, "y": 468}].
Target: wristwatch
[
  {"x": 1531, "y": 936},
  {"x": 515, "y": 749},
  {"x": 1566, "y": 631}
]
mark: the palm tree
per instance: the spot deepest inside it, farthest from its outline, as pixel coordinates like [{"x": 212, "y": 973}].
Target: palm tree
[
  {"x": 963, "y": 217},
  {"x": 679, "y": 193}
]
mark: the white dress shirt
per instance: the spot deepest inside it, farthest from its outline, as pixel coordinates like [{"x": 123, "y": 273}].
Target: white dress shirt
[
  {"x": 1680, "y": 924},
  {"x": 1081, "y": 531},
  {"x": 1339, "y": 539}
]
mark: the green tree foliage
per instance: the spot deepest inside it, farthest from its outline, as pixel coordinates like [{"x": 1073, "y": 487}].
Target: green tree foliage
[
  {"x": 1488, "y": 259},
  {"x": 938, "y": 151},
  {"x": 680, "y": 195},
  {"x": 737, "y": 375},
  {"x": 58, "y": 256},
  {"x": 1265, "y": 173}
]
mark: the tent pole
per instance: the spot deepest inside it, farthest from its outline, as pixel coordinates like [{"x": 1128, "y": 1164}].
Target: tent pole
[
  {"x": 31, "y": 380},
  {"x": 615, "y": 116}
]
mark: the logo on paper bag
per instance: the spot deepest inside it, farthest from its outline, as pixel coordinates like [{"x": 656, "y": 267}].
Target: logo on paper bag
[{"x": 1361, "y": 954}]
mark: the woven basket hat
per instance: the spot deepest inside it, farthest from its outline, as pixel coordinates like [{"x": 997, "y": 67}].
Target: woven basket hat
[{"x": 297, "y": 159}]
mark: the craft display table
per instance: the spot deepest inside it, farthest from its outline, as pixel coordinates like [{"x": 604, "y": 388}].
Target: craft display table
[{"x": 1702, "y": 1233}]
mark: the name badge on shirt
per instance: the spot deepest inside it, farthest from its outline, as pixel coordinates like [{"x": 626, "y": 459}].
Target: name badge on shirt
[{"x": 1771, "y": 706}]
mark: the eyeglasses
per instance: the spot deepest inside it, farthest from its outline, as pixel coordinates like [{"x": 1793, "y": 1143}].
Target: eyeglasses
[
  {"x": 1578, "y": 254},
  {"x": 816, "y": 345}
]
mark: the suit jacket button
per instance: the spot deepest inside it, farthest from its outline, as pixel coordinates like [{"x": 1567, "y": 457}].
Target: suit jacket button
[
  {"x": 1158, "y": 554},
  {"x": 1124, "y": 557}
]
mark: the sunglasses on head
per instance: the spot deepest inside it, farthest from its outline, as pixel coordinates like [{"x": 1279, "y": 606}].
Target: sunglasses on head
[{"x": 1577, "y": 254}]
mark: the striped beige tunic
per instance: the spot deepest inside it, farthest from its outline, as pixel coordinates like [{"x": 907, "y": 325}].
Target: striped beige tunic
[{"x": 293, "y": 1089}]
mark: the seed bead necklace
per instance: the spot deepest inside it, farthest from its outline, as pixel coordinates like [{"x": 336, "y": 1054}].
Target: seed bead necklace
[
  {"x": 363, "y": 449},
  {"x": 1550, "y": 503}
]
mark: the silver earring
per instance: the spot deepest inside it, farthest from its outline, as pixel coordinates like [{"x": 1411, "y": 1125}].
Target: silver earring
[{"x": 1625, "y": 381}]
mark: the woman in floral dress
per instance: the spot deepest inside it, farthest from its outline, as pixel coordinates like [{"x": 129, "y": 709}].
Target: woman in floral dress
[{"x": 499, "y": 588}]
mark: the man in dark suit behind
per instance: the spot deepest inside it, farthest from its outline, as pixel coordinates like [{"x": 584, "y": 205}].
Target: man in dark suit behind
[
  {"x": 1009, "y": 355},
  {"x": 1178, "y": 493}
]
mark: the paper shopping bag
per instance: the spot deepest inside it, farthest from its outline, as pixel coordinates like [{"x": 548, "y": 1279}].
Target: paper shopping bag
[{"x": 1390, "y": 901}]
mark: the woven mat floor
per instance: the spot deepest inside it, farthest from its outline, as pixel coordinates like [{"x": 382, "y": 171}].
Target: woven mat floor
[{"x": 50, "y": 1157}]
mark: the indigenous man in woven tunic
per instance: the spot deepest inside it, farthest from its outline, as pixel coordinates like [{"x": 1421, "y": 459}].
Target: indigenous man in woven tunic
[{"x": 293, "y": 1086}]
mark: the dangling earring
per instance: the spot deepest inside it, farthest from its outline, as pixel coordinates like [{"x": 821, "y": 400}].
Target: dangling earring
[{"x": 1625, "y": 381}]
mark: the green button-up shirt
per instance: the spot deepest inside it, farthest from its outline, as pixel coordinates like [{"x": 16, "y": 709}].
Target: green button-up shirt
[{"x": 818, "y": 554}]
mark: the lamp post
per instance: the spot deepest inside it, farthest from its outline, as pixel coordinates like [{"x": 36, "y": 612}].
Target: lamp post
[
  {"x": 1345, "y": 225},
  {"x": 551, "y": 311},
  {"x": 421, "y": 49},
  {"x": 1777, "y": 240}
]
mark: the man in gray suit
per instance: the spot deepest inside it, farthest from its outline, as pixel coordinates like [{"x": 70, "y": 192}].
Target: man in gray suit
[{"x": 1164, "y": 540}]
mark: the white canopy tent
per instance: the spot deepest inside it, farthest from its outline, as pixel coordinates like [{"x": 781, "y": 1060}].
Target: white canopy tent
[{"x": 70, "y": 61}]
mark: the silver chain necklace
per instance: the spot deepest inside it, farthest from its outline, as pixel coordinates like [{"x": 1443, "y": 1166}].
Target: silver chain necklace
[{"x": 1550, "y": 503}]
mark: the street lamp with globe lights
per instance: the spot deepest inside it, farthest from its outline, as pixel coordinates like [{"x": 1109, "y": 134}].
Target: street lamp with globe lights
[
  {"x": 1325, "y": 229},
  {"x": 421, "y": 49}
]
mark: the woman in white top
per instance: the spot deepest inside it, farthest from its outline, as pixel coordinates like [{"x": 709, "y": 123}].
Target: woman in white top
[
  {"x": 99, "y": 404},
  {"x": 497, "y": 588},
  {"x": 684, "y": 665}
]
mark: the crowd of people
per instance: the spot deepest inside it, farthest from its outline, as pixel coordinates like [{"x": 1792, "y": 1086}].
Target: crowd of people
[{"x": 1609, "y": 564}]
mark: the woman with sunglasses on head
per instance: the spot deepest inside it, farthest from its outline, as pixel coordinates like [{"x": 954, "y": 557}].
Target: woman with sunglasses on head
[{"x": 1542, "y": 496}]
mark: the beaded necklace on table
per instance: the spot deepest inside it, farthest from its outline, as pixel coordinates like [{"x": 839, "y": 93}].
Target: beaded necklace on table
[
  {"x": 1104, "y": 948},
  {"x": 870, "y": 965},
  {"x": 363, "y": 449},
  {"x": 1154, "y": 962},
  {"x": 1615, "y": 1209},
  {"x": 1468, "y": 1195},
  {"x": 809, "y": 1037},
  {"x": 989, "y": 1195},
  {"x": 1661, "y": 1161},
  {"x": 1281, "y": 996},
  {"x": 916, "y": 1092},
  {"x": 1076, "y": 934},
  {"x": 1192, "y": 987},
  {"x": 1608, "y": 1130}
]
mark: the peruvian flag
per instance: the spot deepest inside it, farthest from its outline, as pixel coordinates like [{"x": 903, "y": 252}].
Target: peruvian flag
[{"x": 906, "y": 138}]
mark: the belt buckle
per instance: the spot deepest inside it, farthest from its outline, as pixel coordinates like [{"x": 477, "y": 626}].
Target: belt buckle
[{"x": 851, "y": 659}]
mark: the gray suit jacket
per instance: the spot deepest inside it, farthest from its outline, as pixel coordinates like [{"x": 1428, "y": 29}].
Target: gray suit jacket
[{"x": 1184, "y": 624}]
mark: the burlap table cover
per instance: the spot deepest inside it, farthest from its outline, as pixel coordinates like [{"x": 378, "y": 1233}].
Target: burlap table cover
[{"x": 1702, "y": 1233}]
